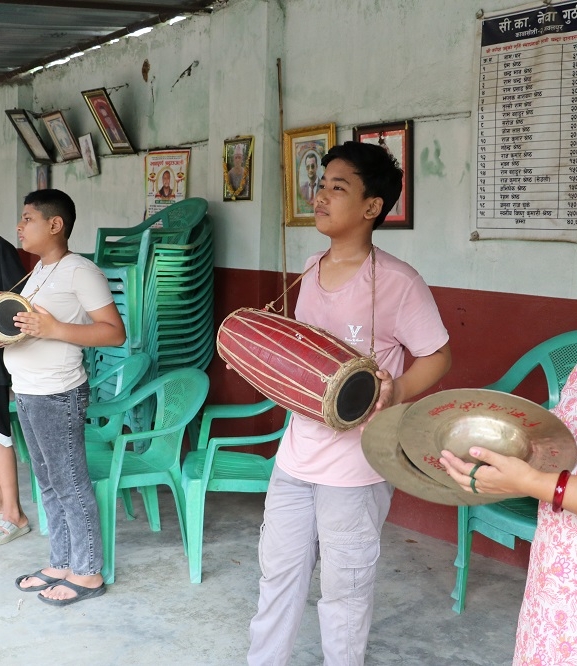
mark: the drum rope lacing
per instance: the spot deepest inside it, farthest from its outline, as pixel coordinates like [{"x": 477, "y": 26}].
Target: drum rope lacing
[
  {"x": 245, "y": 343},
  {"x": 372, "y": 354}
]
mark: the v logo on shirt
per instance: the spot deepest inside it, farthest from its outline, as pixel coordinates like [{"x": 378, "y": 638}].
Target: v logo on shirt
[{"x": 353, "y": 340}]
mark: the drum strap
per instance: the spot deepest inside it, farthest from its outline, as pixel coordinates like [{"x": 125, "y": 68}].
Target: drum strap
[
  {"x": 22, "y": 280},
  {"x": 29, "y": 298},
  {"x": 270, "y": 306}
]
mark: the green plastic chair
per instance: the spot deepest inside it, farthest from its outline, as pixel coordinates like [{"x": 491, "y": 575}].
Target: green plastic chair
[
  {"x": 504, "y": 521},
  {"x": 179, "y": 396},
  {"x": 209, "y": 468}
]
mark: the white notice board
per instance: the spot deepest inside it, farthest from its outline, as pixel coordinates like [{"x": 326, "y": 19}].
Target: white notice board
[{"x": 525, "y": 123}]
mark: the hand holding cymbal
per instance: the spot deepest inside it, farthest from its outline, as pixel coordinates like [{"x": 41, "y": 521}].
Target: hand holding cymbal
[{"x": 404, "y": 443}]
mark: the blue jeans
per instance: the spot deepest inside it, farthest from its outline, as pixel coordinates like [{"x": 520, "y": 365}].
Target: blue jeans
[{"x": 53, "y": 427}]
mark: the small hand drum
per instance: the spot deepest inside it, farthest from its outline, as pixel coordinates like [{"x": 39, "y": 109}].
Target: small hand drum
[
  {"x": 300, "y": 367},
  {"x": 10, "y": 305}
]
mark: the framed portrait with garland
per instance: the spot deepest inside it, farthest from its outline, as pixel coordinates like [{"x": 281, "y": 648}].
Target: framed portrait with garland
[{"x": 237, "y": 168}]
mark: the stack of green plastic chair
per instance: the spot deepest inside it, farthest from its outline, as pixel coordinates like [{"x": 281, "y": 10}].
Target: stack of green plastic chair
[
  {"x": 178, "y": 324},
  {"x": 178, "y": 303},
  {"x": 124, "y": 286},
  {"x": 160, "y": 274}
]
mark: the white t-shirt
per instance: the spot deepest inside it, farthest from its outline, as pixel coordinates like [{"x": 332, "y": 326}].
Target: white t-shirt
[
  {"x": 406, "y": 316},
  {"x": 68, "y": 290}
]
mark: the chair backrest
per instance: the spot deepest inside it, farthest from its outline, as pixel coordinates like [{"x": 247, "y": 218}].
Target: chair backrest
[
  {"x": 107, "y": 385},
  {"x": 557, "y": 356},
  {"x": 116, "y": 246},
  {"x": 118, "y": 380},
  {"x": 179, "y": 395},
  {"x": 241, "y": 471}
]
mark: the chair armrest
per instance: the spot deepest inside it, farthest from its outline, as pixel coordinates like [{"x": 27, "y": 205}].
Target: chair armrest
[
  {"x": 217, "y": 443},
  {"x": 118, "y": 406},
  {"x": 212, "y": 412}
]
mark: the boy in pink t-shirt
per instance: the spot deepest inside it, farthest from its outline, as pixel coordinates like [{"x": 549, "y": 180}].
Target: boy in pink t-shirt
[{"x": 324, "y": 499}]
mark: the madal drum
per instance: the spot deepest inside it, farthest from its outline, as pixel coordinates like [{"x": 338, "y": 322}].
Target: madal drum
[{"x": 300, "y": 367}]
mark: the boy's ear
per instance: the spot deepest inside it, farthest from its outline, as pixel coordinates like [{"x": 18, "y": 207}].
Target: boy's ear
[
  {"x": 56, "y": 224},
  {"x": 374, "y": 208}
]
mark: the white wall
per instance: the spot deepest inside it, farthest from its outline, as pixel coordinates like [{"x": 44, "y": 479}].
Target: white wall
[{"x": 349, "y": 62}]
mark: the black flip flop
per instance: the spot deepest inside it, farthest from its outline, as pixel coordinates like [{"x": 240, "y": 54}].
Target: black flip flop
[
  {"x": 36, "y": 588},
  {"x": 81, "y": 593}
]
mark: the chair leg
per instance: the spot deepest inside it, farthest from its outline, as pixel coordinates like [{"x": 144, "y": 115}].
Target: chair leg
[
  {"x": 462, "y": 560},
  {"x": 195, "y": 499},
  {"x": 150, "y": 499},
  {"x": 33, "y": 485},
  {"x": 127, "y": 501},
  {"x": 180, "y": 501},
  {"x": 42, "y": 519},
  {"x": 107, "y": 510}
]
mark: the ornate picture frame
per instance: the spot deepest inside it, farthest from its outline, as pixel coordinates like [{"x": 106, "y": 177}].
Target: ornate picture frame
[
  {"x": 61, "y": 135},
  {"x": 397, "y": 138},
  {"x": 108, "y": 121},
  {"x": 237, "y": 159},
  {"x": 304, "y": 149},
  {"x": 22, "y": 123}
]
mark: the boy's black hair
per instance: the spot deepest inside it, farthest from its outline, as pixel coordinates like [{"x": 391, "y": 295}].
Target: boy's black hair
[
  {"x": 53, "y": 203},
  {"x": 376, "y": 167}
]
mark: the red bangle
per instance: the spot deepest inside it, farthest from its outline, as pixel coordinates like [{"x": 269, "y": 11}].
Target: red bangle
[{"x": 560, "y": 491}]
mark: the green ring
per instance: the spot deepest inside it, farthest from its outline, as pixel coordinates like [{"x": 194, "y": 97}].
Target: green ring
[
  {"x": 474, "y": 469},
  {"x": 472, "y": 484}
]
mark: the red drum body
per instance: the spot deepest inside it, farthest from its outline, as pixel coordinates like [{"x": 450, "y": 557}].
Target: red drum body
[{"x": 300, "y": 367}]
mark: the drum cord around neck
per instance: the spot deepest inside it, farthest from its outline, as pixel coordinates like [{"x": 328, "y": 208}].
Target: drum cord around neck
[{"x": 29, "y": 298}]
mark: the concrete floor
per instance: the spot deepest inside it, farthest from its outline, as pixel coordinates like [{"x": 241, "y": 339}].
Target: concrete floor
[{"x": 152, "y": 615}]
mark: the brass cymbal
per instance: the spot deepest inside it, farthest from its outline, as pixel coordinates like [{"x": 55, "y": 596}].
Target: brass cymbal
[
  {"x": 458, "y": 419},
  {"x": 380, "y": 443}
]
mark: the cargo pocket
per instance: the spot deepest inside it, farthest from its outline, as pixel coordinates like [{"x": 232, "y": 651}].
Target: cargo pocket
[{"x": 349, "y": 570}]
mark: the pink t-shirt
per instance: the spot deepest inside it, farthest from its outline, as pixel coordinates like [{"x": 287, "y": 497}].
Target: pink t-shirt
[{"x": 405, "y": 316}]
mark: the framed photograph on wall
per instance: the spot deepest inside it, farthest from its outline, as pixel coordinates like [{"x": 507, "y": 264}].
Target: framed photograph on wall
[
  {"x": 88, "y": 155},
  {"x": 237, "y": 168},
  {"x": 107, "y": 120},
  {"x": 42, "y": 177},
  {"x": 61, "y": 135},
  {"x": 22, "y": 123},
  {"x": 304, "y": 149},
  {"x": 397, "y": 139}
]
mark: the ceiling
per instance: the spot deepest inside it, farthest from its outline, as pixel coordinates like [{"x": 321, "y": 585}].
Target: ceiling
[{"x": 37, "y": 32}]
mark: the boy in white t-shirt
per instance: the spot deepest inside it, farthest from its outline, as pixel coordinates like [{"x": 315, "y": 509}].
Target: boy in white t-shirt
[
  {"x": 72, "y": 308},
  {"x": 324, "y": 499}
]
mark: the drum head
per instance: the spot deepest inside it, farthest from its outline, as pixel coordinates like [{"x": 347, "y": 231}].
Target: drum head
[
  {"x": 356, "y": 396},
  {"x": 10, "y": 305}
]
